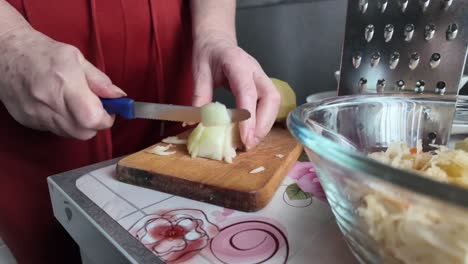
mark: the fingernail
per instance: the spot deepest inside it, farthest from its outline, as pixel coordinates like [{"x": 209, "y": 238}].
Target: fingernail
[
  {"x": 118, "y": 90},
  {"x": 251, "y": 139}
]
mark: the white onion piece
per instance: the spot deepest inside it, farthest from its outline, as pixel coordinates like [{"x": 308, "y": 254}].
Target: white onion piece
[
  {"x": 165, "y": 153},
  {"x": 279, "y": 156},
  {"x": 215, "y": 137},
  {"x": 215, "y": 114},
  {"x": 174, "y": 140},
  {"x": 161, "y": 150},
  {"x": 257, "y": 170}
]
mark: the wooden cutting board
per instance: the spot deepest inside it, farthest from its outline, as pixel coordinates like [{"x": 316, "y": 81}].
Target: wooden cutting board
[{"x": 216, "y": 182}]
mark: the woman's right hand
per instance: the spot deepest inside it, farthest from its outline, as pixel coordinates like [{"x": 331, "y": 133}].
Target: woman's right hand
[{"x": 50, "y": 86}]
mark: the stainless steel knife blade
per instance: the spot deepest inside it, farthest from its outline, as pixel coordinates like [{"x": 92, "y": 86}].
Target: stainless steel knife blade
[{"x": 178, "y": 113}]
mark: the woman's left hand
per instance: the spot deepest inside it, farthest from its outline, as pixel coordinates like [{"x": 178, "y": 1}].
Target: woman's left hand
[{"x": 218, "y": 61}]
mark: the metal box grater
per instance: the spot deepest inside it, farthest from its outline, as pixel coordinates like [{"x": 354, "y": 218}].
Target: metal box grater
[{"x": 406, "y": 46}]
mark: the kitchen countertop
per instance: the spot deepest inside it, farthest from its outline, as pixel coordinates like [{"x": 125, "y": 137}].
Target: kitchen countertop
[
  {"x": 104, "y": 240},
  {"x": 66, "y": 182}
]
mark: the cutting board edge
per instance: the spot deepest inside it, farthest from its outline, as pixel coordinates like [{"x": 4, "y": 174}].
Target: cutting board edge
[
  {"x": 276, "y": 181},
  {"x": 237, "y": 200},
  {"x": 251, "y": 201}
]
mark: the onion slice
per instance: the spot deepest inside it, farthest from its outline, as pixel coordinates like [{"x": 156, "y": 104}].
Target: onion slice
[
  {"x": 257, "y": 170},
  {"x": 174, "y": 140},
  {"x": 161, "y": 150}
]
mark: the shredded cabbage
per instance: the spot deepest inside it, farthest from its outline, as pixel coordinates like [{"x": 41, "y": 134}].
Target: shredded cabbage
[
  {"x": 445, "y": 165},
  {"x": 411, "y": 233}
]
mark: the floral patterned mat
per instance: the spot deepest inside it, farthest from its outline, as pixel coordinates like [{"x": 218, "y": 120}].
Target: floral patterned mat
[{"x": 295, "y": 227}]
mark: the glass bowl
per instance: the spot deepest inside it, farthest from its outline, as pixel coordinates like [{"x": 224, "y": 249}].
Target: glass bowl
[{"x": 387, "y": 215}]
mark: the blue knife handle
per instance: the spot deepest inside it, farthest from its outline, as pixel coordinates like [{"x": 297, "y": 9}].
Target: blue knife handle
[{"x": 119, "y": 106}]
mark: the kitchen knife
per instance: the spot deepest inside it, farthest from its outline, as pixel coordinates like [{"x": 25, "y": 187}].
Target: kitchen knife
[{"x": 129, "y": 109}]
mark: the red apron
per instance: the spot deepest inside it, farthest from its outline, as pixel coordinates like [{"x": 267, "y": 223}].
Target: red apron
[{"x": 145, "y": 48}]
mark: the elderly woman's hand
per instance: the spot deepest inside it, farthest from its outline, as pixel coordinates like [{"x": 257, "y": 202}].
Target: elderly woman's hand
[
  {"x": 48, "y": 85},
  {"x": 219, "y": 61}
]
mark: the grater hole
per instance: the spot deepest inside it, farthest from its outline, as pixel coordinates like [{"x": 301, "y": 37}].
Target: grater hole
[
  {"x": 435, "y": 60},
  {"x": 403, "y": 5},
  {"x": 429, "y": 31},
  {"x": 375, "y": 59},
  {"x": 394, "y": 59},
  {"x": 414, "y": 60},
  {"x": 446, "y": 4},
  {"x": 380, "y": 85},
  {"x": 440, "y": 87},
  {"x": 369, "y": 32},
  {"x": 424, "y": 4},
  {"x": 400, "y": 85},
  {"x": 363, "y": 4},
  {"x": 357, "y": 57},
  {"x": 409, "y": 32},
  {"x": 382, "y": 5},
  {"x": 452, "y": 31},
  {"x": 420, "y": 85},
  {"x": 362, "y": 84},
  {"x": 388, "y": 32}
]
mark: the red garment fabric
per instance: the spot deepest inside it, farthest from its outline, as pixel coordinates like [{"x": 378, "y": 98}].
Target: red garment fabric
[{"x": 144, "y": 46}]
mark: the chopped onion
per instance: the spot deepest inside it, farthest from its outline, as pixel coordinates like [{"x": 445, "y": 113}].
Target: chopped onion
[
  {"x": 174, "y": 140},
  {"x": 215, "y": 137},
  {"x": 257, "y": 170},
  {"x": 215, "y": 114},
  {"x": 165, "y": 153},
  {"x": 279, "y": 156},
  {"x": 161, "y": 150}
]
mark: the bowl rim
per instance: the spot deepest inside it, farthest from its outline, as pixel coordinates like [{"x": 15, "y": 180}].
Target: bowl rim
[{"x": 355, "y": 160}]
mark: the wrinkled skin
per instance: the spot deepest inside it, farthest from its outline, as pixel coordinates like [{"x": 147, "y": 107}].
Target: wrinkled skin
[
  {"x": 218, "y": 61},
  {"x": 48, "y": 85}
]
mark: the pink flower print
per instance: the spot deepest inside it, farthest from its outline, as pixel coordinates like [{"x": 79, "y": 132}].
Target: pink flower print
[
  {"x": 306, "y": 178},
  {"x": 248, "y": 239},
  {"x": 221, "y": 216},
  {"x": 175, "y": 235},
  {"x": 299, "y": 169}
]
